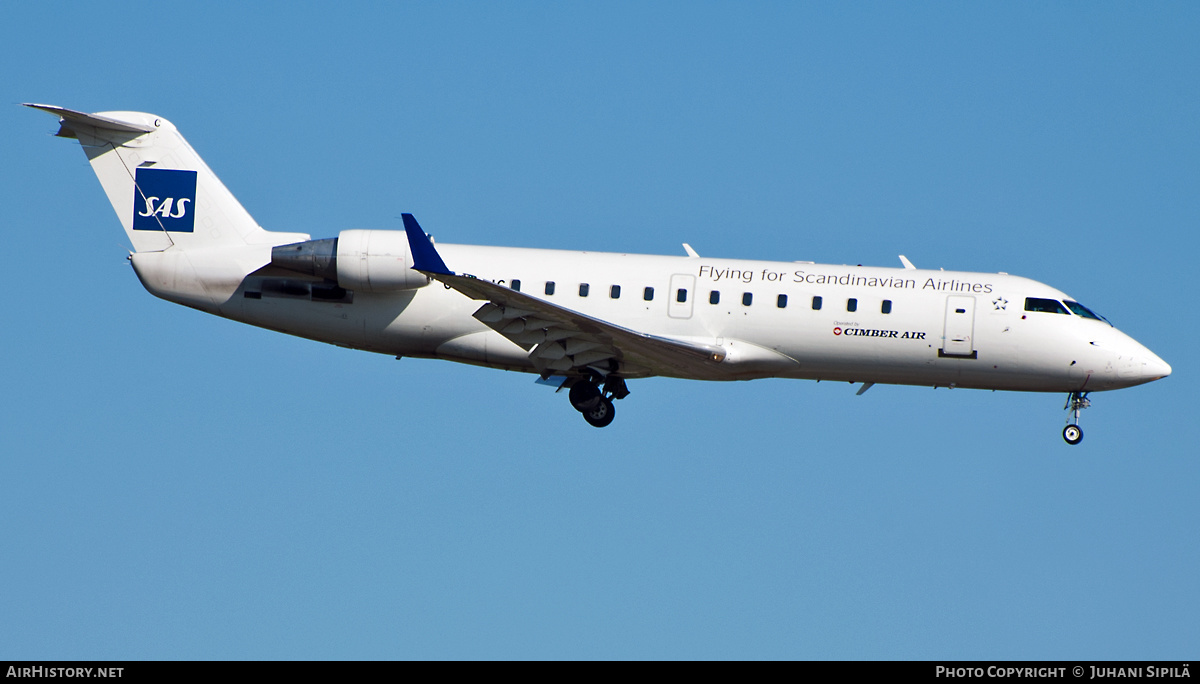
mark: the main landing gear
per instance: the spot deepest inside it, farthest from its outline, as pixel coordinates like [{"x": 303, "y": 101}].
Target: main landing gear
[
  {"x": 595, "y": 404},
  {"x": 1076, "y": 402}
]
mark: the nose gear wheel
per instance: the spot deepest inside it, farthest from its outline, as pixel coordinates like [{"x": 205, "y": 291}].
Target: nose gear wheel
[{"x": 1076, "y": 402}]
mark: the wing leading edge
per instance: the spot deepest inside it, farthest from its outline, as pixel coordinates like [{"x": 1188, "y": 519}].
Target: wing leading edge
[{"x": 560, "y": 340}]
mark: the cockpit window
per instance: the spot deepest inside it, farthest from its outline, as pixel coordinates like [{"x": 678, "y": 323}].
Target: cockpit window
[
  {"x": 1081, "y": 310},
  {"x": 1044, "y": 305}
]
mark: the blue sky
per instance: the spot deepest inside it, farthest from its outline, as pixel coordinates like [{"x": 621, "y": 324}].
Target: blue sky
[{"x": 174, "y": 485}]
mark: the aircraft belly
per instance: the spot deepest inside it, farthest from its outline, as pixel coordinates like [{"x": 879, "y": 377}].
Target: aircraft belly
[
  {"x": 485, "y": 348},
  {"x": 332, "y": 323}
]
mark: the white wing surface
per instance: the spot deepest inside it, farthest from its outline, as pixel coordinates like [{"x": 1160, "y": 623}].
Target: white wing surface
[{"x": 561, "y": 341}]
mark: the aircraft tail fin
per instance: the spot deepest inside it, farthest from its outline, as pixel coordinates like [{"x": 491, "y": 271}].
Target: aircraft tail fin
[{"x": 163, "y": 192}]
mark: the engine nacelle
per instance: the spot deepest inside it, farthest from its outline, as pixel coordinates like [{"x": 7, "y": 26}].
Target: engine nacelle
[
  {"x": 361, "y": 260},
  {"x": 376, "y": 261}
]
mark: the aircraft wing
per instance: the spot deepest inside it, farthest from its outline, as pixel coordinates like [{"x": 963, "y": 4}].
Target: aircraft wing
[{"x": 560, "y": 340}]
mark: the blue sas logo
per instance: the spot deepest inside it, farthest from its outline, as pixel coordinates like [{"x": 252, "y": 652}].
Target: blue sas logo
[{"x": 164, "y": 199}]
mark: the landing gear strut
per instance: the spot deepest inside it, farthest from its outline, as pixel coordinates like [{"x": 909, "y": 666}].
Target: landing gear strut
[
  {"x": 1076, "y": 402},
  {"x": 597, "y": 405}
]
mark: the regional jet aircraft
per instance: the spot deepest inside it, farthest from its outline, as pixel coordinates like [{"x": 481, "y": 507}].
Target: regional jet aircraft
[{"x": 589, "y": 322}]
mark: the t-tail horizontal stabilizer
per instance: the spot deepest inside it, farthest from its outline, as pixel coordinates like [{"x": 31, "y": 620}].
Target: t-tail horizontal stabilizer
[{"x": 69, "y": 116}]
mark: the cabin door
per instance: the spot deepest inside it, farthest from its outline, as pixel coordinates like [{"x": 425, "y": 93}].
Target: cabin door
[{"x": 959, "y": 337}]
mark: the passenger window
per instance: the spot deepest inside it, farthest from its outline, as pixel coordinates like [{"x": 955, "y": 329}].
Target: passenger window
[
  {"x": 816, "y": 303},
  {"x": 714, "y": 297},
  {"x": 681, "y": 295},
  {"x": 648, "y": 294},
  {"x": 583, "y": 289},
  {"x": 516, "y": 285},
  {"x": 887, "y": 306},
  {"x": 614, "y": 292},
  {"x": 851, "y": 305},
  {"x": 1044, "y": 305},
  {"x": 550, "y": 287},
  {"x": 747, "y": 298},
  {"x": 781, "y": 301}
]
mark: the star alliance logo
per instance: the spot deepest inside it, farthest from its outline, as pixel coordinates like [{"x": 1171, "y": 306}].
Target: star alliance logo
[
  {"x": 1000, "y": 303},
  {"x": 164, "y": 199}
]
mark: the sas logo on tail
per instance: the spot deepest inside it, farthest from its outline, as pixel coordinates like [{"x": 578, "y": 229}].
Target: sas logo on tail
[{"x": 164, "y": 199}]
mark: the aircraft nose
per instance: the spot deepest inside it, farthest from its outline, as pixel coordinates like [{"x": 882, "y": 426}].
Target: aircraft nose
[
  {"x": 1144, "y": 366},
  {"x": 1154, "y": 368}
]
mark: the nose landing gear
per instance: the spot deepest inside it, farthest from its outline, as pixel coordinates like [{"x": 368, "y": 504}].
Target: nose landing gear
[{"x": 1076, "y": 402}]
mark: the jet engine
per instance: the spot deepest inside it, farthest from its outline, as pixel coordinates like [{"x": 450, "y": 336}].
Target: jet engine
[{"x": 361, "y": 260}]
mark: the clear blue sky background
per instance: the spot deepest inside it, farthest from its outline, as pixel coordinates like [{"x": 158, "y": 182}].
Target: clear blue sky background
[{"x": 174, "y": 485}]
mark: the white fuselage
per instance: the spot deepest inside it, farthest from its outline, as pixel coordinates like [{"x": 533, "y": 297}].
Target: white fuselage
[{"x": 943, "y": 328}]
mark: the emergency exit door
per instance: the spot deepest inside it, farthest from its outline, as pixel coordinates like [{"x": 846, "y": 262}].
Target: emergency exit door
[{"x": 680, "y": 305}]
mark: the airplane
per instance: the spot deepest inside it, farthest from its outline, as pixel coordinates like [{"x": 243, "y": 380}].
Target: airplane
[{"x": 588, "y": 322}]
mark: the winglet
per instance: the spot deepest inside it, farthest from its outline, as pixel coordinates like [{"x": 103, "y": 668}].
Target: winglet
[
  {"x": 425, "y": 257},
  {"x": 908, "y": 266},
  {"x": 690, "y": 252}
]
